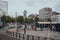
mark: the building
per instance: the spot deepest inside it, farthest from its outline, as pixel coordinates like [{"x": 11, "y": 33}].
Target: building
[
  {"x": 33, "y": 16},
  {"x": 55, "y": 17},
  {"x": 45, "y": 13},
  {"x": 2, "y": 12},
  {"x": 3, "y": 7}
]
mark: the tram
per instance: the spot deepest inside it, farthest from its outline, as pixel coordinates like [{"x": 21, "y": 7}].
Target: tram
[
  {"x": 50, "y": 25},
  {"x": 1, "y": 24}
]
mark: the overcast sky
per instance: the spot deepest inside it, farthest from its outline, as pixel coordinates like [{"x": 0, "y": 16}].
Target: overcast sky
[{"x": 32, "y": 6}]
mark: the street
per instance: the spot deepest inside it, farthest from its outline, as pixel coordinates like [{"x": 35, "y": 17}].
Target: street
[
  {"x": 3, "y": 34},
  {"x": 44, "y": 33}
]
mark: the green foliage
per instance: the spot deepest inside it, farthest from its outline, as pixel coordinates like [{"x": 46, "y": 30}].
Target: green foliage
[
  {"x": 8, "y": 19},
  {"x": 20, "y": 19},
  {"x": 26, "y": 20},
  {"x": 3, "y": 19},
  {"x": 30, "y": 20},
  {"x": 36, "y": 19}
]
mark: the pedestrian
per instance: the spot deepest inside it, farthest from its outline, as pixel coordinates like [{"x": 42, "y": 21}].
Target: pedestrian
[{"x": 53, "y": 28}]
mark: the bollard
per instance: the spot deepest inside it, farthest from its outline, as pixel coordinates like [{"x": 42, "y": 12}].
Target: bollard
[
  {"x": 38, "y": 38},
  {"x": 23, "y": 37},
  {"x": 41, "y": 38},
  {"x": 16, "y": 34},
  {"x": 45, "y": 38},
  {"x": 10, "y": 34},
  {"x": 19, "y": 36},
  {"x": 51, "y": 39},
  {"x": 27, "y": 37},
  {"x": 32, "y": 37},
  {"x": 35, "y": 38},
  {"x": 13, "y": 34}
]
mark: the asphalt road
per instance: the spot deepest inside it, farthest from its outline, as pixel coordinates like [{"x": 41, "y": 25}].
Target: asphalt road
[{"x": 4, "y": 36}]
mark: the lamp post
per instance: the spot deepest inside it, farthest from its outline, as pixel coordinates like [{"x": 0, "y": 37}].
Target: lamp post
[
  {"x": 24, "y": 21},
  {"x": 16, "y": 26},
  {"x": 25, "y": 24},
  {"x": 16, "y": 21},
  {"x": 49, "y": 27}
]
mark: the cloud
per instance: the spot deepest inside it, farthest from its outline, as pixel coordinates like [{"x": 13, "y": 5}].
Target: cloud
[
  {"x": 3, "y": 0},
  {"x": 32, "y": 6}
]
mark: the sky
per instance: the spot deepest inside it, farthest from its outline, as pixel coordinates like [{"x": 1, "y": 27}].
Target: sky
[{"x": 31, "y": 6}]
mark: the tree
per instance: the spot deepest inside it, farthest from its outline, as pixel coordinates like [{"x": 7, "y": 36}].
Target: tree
[
  {"x": 26, "y": 20},
  {"x": 20, "y": 19},
  {"x": 8, "y": 19},
  {"x": 3, "y": 19},
  {"x": 30, "y": 20},
  {"x": 36, "y": 19},
  {"x": 49, "y": 19},
  {"x": 12, "y": 20}
]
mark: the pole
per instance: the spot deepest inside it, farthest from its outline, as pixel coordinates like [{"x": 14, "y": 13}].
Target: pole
[
  {"x": 24, "y": 21},
  {"x": 25, "y": 29},
  {"x": 16, "y": 21},
  {"x": 50, "y": 27},
  {"x": 16, "y": 25},
  {"x": 25, "y": 24}
]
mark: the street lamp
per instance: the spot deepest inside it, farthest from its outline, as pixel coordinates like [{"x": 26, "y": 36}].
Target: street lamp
[
  {"x": 24, "y": 21},
  {"x": 16, "y": 25},
  {"x": 49, "y": 27},
  {"x": 16, "y": 21}
]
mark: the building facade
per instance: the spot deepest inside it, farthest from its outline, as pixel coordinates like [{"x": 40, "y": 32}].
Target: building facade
[
  {"x": 55, "y": 18},
  {"x": 33, "y": 16},
  {"x": 45, "y": 13},
  {"x": 3, "y": 8}
]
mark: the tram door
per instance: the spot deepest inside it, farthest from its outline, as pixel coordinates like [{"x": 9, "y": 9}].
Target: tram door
[{"x": 58, "y": 27}]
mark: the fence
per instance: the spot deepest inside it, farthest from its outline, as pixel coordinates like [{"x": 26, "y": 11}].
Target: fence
[{"x": 21, "y": 36}]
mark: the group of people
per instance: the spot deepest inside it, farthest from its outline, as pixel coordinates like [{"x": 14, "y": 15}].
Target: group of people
[{"x": 53, "y": 28}]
